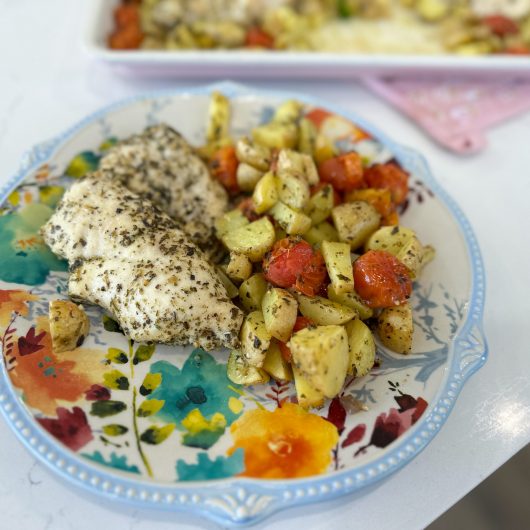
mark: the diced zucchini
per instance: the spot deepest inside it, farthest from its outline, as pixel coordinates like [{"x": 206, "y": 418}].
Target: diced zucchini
[
  {"x": 308, "y": 396},
  {"x": 239, "y": 267},
  {"x": 255, "y": 339},
  {"x": 355, "y": 222},
  {"x": 219, "y": 117},
  {"x": 275, "y": 365},
  {"x": 324, "y": 312},
  {"x": 276, "y": 135},
  {"x": 252, "y": 291},
  {"x": 253, "y": 240},
  {"x": 298, "y": 165},
  {"x": 290, "y": 220},
  {"x": 265, "y": 193},
  {"x": 247, "y": 176},
  {"x": 288, "y": 112},
  {"x": 362, "y": 348},
  {"x": 307, "y": 136},
  {"x": 293, "y": 191},
  {"x": 352, "y": 300},
  {"x": 396, "y": 328},
  {"x": 320, "y": 205},
  {"x": 257, "y": 156},
  {"x": 231, "y": 290},
  {"x": 229, "y": 222},
  {"x": 339, "y": 265},
  {"x": 241, "y": 373},
  {"x": 321, "y": 354},
  {"x": 279, "y": 311}
]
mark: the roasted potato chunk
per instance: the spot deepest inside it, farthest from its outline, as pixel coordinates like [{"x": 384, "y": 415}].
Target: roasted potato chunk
[
  {"x": 324, "y": 312},
  {"x": 241, "y": 373},
  {"x": 362, "y": 348},
  {"x": 239, "y": 267},
  {"x": 308, "y": 396},
  {"x": 252, "y": 291},
  {"x": 253, "y": 240},
  {"x": 279, "y": 311},
  {"x": 257, "y": 156},
  {"x": 69, "y": 325},
  {"x": 395, "y": 328},
  {"x": 339, "y": 265},
  {"x": 355, "y": 222},
  {"x": 255, "y": 339},
  {"x": 321, "y": 354},
  {"x": 275, "y": 365}
]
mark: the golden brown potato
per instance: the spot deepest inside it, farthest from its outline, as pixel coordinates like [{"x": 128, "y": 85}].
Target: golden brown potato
[
  {"x": 69, "y": 325},
  {"x": 395, "y": 328}
]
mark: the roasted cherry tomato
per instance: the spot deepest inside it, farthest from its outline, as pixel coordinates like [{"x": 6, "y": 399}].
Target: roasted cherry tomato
[
  {"x": 318, "y": 116},
  {"x": 128, "y": 34},
  {"x": 258, "y": 38},
  {"x": 223, "y": 166},
  {"x": 337, "y": 199},
  {"x": 381, "y": 280},
  {"x": 520, "y": 49},
  {"x": 292, "y": 263},
  {"x": 501, "y": 25},
  {"x": 345, "y": 171},
  {"x": 248, "y": 209},
  {"x": 390, "y": 177},
  {"x": 301, "y": 323}
]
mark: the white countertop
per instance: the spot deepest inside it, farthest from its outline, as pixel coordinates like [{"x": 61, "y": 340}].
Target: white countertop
[{"x": 47, "y": 83}]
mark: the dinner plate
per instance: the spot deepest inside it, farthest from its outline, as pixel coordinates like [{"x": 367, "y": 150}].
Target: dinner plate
[
  {"x": 162, "y": 427},
  {"x": 288, "y": 64}
]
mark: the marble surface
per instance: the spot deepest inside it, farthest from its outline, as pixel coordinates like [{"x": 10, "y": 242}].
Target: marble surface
[{"x": 47, "y": 83}]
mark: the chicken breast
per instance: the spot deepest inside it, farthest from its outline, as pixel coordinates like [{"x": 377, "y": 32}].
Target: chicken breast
[
  {"x": 160, "y": 164},
  {"x": 132, "y": 259}
]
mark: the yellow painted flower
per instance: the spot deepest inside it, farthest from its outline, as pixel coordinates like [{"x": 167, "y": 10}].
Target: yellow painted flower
[
  {"x": 201, "y": 432},
  {"x": 286, "y": 443}
]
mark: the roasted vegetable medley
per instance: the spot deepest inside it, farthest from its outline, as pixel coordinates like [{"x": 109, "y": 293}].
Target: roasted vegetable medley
[
  {"x": 468, "y": 27},
  {"x": 315, "y": 252}
]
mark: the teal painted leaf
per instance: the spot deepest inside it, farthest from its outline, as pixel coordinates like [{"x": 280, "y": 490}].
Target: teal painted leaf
[
  {"x": 114, "y": 429},
  {"x": 206, "y": 469},
  {"x": 156, "y": 435},
  {"x": 150, "y": 383},
  {"x": 143, "y": 353},
  {"x": 106, "y": 408},
  {"x": 115, "y": 461},
  {"x": 82, "y": 164}
]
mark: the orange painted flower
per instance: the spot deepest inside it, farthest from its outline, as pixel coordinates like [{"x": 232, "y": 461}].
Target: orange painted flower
[
  {"x": 48, "y": 379},
  {"x": 286, "y": 443},
  {"x": 11, "y": 301}
]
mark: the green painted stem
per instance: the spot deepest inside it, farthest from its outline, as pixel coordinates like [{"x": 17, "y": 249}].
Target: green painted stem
[{"x": 135, "y": 423}]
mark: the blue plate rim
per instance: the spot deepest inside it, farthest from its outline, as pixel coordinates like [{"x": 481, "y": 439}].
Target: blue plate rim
[{"x": 239, "y": 502}]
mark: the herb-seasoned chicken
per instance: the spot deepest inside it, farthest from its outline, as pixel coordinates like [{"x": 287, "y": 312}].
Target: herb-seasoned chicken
[
  {"x": 160, "y": 164},
  {"x": 130, "y": 258}
]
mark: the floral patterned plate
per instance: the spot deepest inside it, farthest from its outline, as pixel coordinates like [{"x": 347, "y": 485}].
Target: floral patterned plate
[{"x": 163, "y": 427}]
